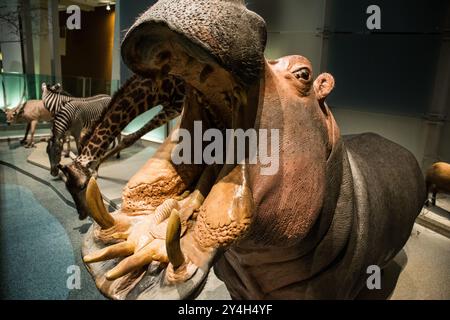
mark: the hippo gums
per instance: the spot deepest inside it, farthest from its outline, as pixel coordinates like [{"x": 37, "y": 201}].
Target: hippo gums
[{"x": 335, "y": 206}]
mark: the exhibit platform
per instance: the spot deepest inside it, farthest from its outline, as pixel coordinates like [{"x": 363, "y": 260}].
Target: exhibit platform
[
  {"x": 39, "y": 224},
  {"x": 29, "y": 167}
]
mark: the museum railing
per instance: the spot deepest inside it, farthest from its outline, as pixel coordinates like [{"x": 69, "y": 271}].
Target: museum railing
[{"x": 15, "y": 86}]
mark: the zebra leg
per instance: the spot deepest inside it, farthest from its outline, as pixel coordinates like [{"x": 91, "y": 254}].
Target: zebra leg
[
  {"x": 26, "y": 133},
  {"x": 67, "y": 154}
]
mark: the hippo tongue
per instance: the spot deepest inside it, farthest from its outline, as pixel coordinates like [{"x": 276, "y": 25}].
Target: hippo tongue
[{"x": 224, "y": 217}]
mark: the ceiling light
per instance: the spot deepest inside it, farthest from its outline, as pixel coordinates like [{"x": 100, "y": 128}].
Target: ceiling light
[{"x": 108, "y": 7}]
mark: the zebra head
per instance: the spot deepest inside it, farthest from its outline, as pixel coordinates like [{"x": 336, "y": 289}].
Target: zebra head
[
  {"x": 49, "y": 93},
  {"x": 54, "y": 150}
]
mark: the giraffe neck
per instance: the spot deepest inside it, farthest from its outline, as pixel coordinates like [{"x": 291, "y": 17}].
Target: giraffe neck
[{"x": 135, "y": 97}]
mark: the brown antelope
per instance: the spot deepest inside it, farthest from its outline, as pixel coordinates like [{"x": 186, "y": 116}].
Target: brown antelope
[{"x": 31, "y": 112}]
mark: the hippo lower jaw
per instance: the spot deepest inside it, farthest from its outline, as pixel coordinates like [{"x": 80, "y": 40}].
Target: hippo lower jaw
[{"x": 174, "y": 218}]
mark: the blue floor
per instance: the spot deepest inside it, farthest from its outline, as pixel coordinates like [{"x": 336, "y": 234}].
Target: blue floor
[{"x": 36, "y": 250}]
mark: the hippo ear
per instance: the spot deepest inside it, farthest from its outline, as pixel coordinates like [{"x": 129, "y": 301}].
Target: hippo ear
[{"x": 323, "y": 86}]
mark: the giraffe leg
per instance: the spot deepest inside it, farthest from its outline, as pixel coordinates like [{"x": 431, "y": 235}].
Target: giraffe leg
[
  {"x": 157, "y": 121},
  {"x": 119, "y": 140}
]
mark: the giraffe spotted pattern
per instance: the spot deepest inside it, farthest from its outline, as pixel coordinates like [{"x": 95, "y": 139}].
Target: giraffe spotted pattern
[{"x": 136, "y": 97}]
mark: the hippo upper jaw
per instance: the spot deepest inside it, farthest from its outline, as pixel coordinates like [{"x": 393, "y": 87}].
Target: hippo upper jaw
[
  {"x": 212, "y": 30},
  {"x": 182, "y": 239}
]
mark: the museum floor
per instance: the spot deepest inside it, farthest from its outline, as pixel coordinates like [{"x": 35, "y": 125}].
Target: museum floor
[{"x": 41, "y": 235}]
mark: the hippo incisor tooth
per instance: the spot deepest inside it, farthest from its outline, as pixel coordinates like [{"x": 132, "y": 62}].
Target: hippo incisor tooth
[
  {"x": 173, "y": 235},
  {"x": 164, "y": 210},
  {"x": 95, "y": 204}
]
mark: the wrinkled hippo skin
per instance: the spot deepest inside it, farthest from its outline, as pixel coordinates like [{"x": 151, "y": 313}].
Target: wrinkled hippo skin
[{"x": 371, "y": 221}]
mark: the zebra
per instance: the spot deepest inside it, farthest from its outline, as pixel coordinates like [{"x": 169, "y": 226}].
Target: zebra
[
  {"x": 54, "y": 97},
  {"x": 73, "y": 116}
]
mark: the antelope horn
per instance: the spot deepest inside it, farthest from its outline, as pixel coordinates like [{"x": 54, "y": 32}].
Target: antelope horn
[
  {"x": 96, "y": 207},
  {"x": 173, "y": 234}
]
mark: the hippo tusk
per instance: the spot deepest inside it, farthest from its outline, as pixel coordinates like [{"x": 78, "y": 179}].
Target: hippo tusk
[
  {"x": 96, "y": 207},
  {"x": 173, "y": 234}
]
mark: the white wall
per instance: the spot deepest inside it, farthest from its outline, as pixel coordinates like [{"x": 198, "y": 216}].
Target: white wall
[
  {"x": 406, "y": 131},
  {"x": 294, "y": 27}
]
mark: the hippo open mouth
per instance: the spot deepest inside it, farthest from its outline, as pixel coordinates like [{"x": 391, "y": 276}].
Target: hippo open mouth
[{"x": 175, "y": 218}]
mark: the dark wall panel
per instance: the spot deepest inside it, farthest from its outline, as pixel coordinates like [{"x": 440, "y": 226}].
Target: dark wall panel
[
  {"x": 390, "y": 70},
  {"x": 383, "y": 73},
  {"x": 396, "y": 15}
]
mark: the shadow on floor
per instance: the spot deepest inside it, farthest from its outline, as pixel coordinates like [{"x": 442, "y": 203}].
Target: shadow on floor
[
  {"x": 13, "y": 145},
  {"x": 84, "y": 228},
  {"x": 439, "y": 211}
]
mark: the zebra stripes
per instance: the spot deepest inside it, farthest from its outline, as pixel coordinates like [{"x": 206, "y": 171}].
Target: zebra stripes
[
  {"x": 72, "y": 116},
  {"x": 54, "y": 98},
  {"x": 82, "y": 114}
]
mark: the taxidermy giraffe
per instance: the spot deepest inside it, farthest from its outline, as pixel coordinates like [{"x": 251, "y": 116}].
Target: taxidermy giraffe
[{"x": 136, "y": 96}]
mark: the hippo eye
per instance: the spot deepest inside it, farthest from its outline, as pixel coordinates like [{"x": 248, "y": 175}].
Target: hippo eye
[{"x": 303, "y": 74}]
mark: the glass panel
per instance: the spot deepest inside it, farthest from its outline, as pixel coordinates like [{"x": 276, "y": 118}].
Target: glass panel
[
  {"x": 156, "y": 135},
  {"x": 11, "y": 89}
]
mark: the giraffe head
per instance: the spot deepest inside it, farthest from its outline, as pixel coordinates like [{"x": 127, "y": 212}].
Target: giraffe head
[{"x": 76, "y": 179}]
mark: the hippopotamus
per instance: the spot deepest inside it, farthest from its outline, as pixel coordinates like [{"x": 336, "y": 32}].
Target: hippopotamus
[{"x": 335, "y": 206}]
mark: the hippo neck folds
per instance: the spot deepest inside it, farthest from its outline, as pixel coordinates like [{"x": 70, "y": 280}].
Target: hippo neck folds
[{"x": 176, "y": 220}]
